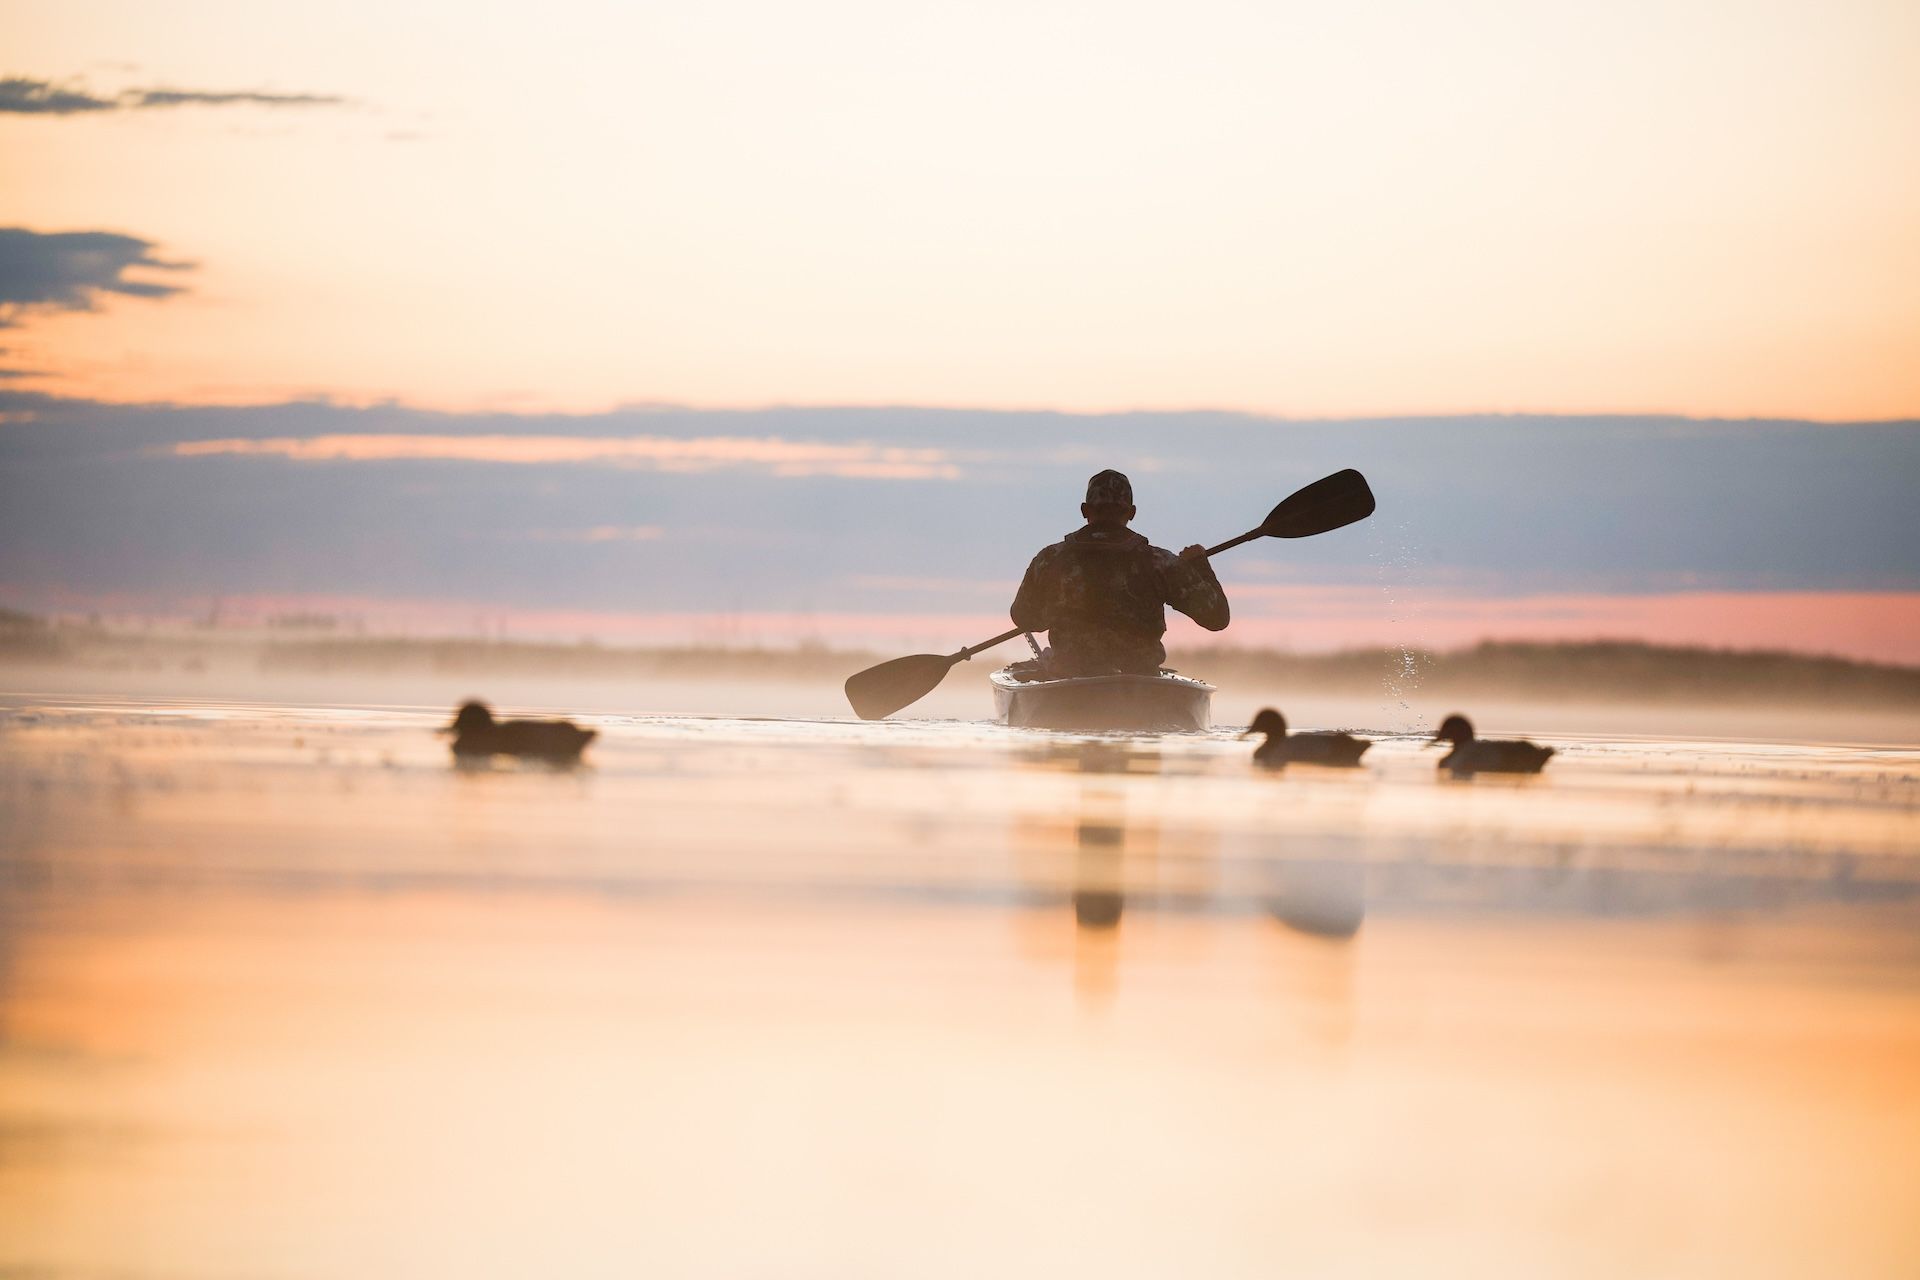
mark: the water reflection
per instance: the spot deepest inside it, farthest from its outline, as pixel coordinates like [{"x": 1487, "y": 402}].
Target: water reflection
[
  {"x": 1106, "y": 853},
  {"x": 1322, "y": 897},
  {"x": 1101, "y": 836},
  {"x": 1099, "y": 896},
  {"x": 473, "y": 766},
  {"x": 839, "y": 973}
]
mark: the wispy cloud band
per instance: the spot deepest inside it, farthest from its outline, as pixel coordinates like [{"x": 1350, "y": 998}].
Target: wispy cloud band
[
  {"x": 22, "y": 95},
  {"x": 599, "y": 533},
  {"x": 140, "y": 99},
  {"x": 69, "y": 270},
  {"x": 652, "y": 453}
]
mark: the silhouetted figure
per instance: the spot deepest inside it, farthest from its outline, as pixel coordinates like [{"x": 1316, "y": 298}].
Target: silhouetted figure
[
  {"x": 1471, "y": 755},
  {"x": 1337, "y": 750},
  {"x": 1101, "y": 592},
  {"x": 476, "y": 734}
]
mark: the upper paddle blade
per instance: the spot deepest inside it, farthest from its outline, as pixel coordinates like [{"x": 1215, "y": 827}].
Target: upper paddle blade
[
  {"x": 1339, "y": 499},
  {"x": 880, "y": 691}
]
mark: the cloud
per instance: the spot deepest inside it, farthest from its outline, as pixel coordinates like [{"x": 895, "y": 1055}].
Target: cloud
[
  {"x": 20, "y": 95},
  {"x": 994, "y": 587},
  {"x": 648, "y": 453},
  {"x": 1486, "y": 526},
  {"x": 599, "y": 533},
  {"x": 69, "y": 270},
  {"x": 137, "y": 99}
]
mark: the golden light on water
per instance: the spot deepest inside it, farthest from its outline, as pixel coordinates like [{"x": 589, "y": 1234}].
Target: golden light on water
[{"x": 284, "y": 993}]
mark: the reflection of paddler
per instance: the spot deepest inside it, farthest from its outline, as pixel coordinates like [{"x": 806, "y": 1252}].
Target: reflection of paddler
[
  {"x": 1101, "y": 592},
  {"x": 1097, "y": 896},
  {"x": 1100, "y": 837},
  {"x": 1103, "y": 842}
]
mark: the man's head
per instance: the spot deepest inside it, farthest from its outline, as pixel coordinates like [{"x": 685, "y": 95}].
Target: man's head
[{"x": 1109, "y": 501}]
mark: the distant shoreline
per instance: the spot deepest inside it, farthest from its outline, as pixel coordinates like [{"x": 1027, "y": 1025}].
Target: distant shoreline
[{"x": 1591, "y": 671}]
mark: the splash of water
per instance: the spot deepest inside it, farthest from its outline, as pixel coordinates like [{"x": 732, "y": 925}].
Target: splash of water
[{"x": 1396, "y": 560}]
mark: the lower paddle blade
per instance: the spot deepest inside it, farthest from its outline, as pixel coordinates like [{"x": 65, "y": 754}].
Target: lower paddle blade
[
  {"x": 880, "y": 691},
  {"x": 1325, "y": 505}
]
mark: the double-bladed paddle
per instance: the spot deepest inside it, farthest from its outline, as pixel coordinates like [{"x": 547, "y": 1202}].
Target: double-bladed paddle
[{"x": 1323, "y": 506}]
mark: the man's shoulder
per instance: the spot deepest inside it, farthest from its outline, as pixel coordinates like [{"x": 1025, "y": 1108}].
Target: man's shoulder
[
  {"x": 1052, "y": 551},
  {"x": 1167, "y": 561},
  {"x": 1177, "y": 570},
  {"x": 1098, "y": 541}
]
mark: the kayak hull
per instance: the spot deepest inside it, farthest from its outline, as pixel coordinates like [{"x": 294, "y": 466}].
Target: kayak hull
[{"x": 1142, "y": 704}]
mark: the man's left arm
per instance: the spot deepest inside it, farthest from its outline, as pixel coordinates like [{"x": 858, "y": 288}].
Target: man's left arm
[{"x": 1192, "y": 588}]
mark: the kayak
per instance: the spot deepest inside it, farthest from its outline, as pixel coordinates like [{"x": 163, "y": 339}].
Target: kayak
[{"x": 1166, "y": 703}]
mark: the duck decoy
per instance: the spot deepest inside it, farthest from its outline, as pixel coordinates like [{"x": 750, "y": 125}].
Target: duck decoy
[
  {"x": 1338, "y": 750},
  {"x": 476, "y": 733},
  {"x": 1471, "y": 755}
]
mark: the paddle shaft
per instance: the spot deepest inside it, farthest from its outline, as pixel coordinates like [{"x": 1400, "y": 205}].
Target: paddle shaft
[
  {"x": 972, "y": 649},
  {"x": 1248, "y": 536}
]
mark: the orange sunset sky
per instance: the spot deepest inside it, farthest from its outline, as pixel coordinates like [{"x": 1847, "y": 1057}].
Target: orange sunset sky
[{"x": 1706, "y": 206}]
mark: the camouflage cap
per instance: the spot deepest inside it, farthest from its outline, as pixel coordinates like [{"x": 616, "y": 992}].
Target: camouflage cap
[{"x": 1110, "y": 486}]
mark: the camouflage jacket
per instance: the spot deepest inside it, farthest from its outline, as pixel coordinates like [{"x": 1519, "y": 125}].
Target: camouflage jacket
[{"x": 1101, "y": 594}]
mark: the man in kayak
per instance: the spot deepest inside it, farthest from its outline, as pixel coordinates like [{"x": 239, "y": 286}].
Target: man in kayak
[{"x": 1101, "y": 591}]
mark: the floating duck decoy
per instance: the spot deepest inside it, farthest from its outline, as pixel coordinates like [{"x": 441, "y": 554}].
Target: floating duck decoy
[
  {"x": 1339, "y": 750},
  {"x": 1471, "y": 755},
  {"x": 476, "y": 733}
]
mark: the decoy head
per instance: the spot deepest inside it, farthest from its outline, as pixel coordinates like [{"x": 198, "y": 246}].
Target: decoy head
[
  {"x": 1454, "y": 729},
  {"x": 1269, "y": 722},
  {"x": 471, "y": 716}
]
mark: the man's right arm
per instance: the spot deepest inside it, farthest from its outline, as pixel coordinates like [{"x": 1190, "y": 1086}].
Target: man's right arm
[{"x": 1189, "y": 585}]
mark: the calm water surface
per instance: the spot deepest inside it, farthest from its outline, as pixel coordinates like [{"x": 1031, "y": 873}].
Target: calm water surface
[{"x": 283, "y": 993}]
